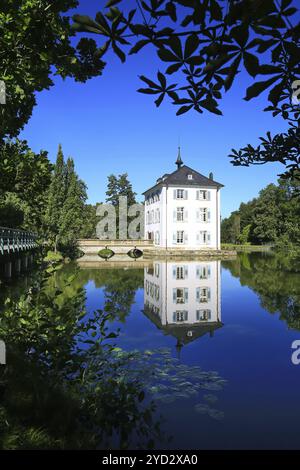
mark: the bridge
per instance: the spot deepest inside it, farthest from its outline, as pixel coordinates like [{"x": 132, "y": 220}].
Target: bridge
[
  {"x": 12, "y": 240},
  {"x": 16, "y": 250}
]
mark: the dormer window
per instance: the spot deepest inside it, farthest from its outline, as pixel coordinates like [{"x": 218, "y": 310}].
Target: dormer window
[{"x": 190, "y": 176}]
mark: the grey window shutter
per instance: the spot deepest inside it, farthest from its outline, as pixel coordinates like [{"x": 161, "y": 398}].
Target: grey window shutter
[
  {"x": 185, "y": 216},
  {"x": 208, "y": 215},
  {"x": 198, "y": 294},
  {"x": 174, "y": 193},
  {"x": 198, "y": 315},
  {"x": 198, "y": 272},
  {"x": 174, "y": 317},
  {"x": 185, "y": 194},
  {"x": 174, "y": 216},
  {"x": 174, "y": 272},
  {"x": 174, "y": 295},
  {"x": 198, "y": 215},
  {"x": 174, "y": 237},
  {"x": 186, "y": 272},
  {"x": 186, "y": 238},
  {"x": 209, "y": 314},
  {"x": 208, "y": 293},
  {"x": 185, "y": 313},
  {"x": 208, "y": 195},
  {"x": 197, "y": 195},
  {"x": 198, "y": 237},
  {"x": 208, "y": 270},
  {"x": 186, "y": 295},
  {"x": 208, "y": 237}
]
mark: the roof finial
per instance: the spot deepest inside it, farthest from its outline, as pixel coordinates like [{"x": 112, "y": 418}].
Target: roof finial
[{"x": 179, "y": 161}]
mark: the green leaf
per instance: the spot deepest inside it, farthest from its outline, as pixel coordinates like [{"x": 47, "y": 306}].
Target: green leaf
[
  {"x": 232, "y": 72},
  {"x": 162, "y": 79},
  {"x": 173, "y": 68},
  {"x": 275, "y": 93},
  {"x": 148, "y": 91},
  {"x": 184, "y": 109},
  {"x": 215, "y": 11},
  {"x": 171, "y": 10},
  {"x": 138, "y": 46},
  {"x": 119, "y": 52},
  {"x": 175, "y": 44},
  {"x": 269, "y": 69},
  {"x": 251, "y": 63},
  {"x": 240, "y": 34},
  {"x": 149, "y": 82},
  {"x": 273, "y": 21},
  {"x": 166, "y": 55},
  {"x": 141, "y": 29},
  {"x": 211, "y": 106},
  {"x": 159, "y": 100},
  {"x": 191, "y": 45},
  {"x": 85, "y": 23},
  {"x": 258, "y": 88}
]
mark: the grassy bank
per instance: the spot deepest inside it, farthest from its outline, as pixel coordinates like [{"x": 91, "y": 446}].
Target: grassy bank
[{"x": 232, "y": 246}]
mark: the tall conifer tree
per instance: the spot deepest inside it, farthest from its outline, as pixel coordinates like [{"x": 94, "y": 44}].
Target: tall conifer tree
[
  {"x": 56, "y": 198},
  {"x": 72, "y": 216}
]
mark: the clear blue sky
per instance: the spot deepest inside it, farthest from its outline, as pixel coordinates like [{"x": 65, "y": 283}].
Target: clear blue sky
[{"x": 107, "y": 127}]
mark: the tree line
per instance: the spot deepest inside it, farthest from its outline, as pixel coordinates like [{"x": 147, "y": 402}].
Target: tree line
[
  {"x": 50, "y": 199},
  {"x": 271, "y": 218}
]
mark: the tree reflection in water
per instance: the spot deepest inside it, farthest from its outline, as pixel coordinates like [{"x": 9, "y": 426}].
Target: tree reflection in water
[
  {"x": 275, "y": 278},
  {"x": 66, "y": 386}
]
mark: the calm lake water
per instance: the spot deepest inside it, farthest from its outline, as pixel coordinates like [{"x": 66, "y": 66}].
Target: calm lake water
[
  {"x": 221, "y": 333},
  {"x": 236, "y": 318}
]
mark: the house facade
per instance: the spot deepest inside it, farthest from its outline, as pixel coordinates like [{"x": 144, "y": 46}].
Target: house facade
[{"x": 182, "y": 210}]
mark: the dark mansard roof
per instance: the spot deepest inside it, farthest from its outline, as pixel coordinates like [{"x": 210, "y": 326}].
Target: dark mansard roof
[{"x": 180, "y": 178}]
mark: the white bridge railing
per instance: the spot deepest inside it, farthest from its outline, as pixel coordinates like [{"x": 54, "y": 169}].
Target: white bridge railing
[{"x": 13, "y": 240}]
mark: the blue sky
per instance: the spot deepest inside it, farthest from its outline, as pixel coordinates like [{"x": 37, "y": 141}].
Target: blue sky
[{"x": 107, "y": 127}]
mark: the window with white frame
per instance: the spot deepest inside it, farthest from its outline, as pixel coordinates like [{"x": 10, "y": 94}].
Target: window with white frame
[
  {"x": 203, "y": 195},
  {"x": 190, "y": 177},
  {"x": 180, "y": 214},
  {"x": 180, "y": 236},
  {"x": 180, "y": 295},
  {"x": 203, "y": 315},
  {"x": 203, "y": 237},
  {"x": 180, "y": 272},
  {"x": 181, "y": 316},
  {"x": 204, "y": 214},
  {"x": 203, "y": 271},
  {"x": 204, "y": 295},
  {"x": 180, "y": 193}
]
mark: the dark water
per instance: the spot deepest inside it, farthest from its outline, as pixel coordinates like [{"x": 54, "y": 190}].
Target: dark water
[
  {"x": 217, "y": 339},
  {"x": 250, "y": 316}
]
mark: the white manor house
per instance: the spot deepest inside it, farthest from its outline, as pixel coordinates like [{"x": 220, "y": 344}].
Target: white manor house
[{"x": 182, "y": 210}]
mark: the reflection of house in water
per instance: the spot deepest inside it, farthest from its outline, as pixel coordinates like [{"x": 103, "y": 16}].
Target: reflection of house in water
[{"x": 183, "y": 298}]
